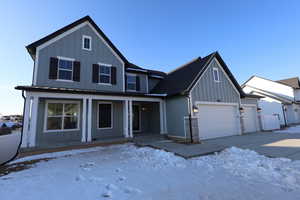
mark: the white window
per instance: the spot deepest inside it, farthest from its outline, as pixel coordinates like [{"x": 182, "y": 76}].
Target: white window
[
  {"x": 104, "y": 74},
  {"x": 61, "y": 116},
  {"x": 86, "y": 42},
  {"x": 131, "y": 82},
  {"x": 216, "y": 74},
  {"x": 105, "y": 115},
  {"x": 65, "y": 68}
]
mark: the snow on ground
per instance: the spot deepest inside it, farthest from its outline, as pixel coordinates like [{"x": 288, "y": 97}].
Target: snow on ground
[
  {"x": 292, "y": 129},
  {"x": 126, "y": 172}
]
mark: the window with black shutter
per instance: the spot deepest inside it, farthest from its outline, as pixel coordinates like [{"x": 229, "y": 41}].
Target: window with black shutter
[
  {"x": 131, "y": 82},
  {"x": 105, "y": 115}
]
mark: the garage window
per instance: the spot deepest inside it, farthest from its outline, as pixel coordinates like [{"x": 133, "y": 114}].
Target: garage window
[
  {"x": 61, "y": 116},
  {"x": 216, "y": 74}
]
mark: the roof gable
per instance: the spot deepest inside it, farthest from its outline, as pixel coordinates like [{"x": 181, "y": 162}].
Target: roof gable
[
  {"x": 31, "y": 48},
  {"x": 292, "y": 82},
  {"x": 182, "y": 80}
]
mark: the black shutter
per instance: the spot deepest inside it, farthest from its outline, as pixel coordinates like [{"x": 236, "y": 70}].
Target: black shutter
[
  {"x": 137, "y": 81},
  {"x": 76, "y": 71},
  {"x": 53, "y": 68},
  {"x": 113, "y": 73},
  {"x": 95, "y": 75}
]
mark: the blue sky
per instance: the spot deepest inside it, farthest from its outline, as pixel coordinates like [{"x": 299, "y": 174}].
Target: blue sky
[{"x": 253, "y": 37}]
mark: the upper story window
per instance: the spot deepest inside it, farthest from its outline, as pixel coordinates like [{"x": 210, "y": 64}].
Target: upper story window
[
  {"x": 105, "y": 74},
  {"x": 132, "y": 80},
  {"x": 65, "y": 69},
  {"x": 87, "y": 42},
  {"x": 216, "y": 74}
]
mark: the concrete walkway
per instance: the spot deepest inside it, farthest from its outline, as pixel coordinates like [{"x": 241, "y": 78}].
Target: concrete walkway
[{"x": 266, "y": 143}]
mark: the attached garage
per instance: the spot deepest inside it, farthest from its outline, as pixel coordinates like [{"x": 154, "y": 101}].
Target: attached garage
[
  {"x": 250, "y": 120},
  {"x": 218, "y": 120}
]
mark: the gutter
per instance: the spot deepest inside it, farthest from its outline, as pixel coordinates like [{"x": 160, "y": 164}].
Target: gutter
[{"x": 17, "y": 153}]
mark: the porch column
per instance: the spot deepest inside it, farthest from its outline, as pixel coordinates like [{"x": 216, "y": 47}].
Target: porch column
[
  {"x": 161, "y": 117},
  {"x": 130, "y": 119},
  {"x": 165, "y": 117},
  {"x": 26, "y": 122},
  {"x": 33, "y": 121},
  {"x": 83, "y": 126},
  {"x": 125, "y": 119},
  {"x": 89, "y": 120}
]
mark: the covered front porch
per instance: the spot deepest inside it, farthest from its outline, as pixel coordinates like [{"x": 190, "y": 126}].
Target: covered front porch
[{"x": 98, "y": 118}]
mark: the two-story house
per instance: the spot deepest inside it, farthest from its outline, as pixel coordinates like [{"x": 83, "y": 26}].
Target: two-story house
[
  {"x": 280, "y": 98},
  {"x": 84, "y": 89}
]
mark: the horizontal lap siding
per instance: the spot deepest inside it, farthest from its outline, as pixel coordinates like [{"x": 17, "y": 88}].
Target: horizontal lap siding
[
  {"x": 71, "y": 46},
  {"x": 208, "y": 90},
  {"x": 53, "y": 138}
]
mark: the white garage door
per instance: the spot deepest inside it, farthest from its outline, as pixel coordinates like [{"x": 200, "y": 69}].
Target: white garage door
[
  {"x": 218, "y": 121},
  {"x": 250, "y": 119}
]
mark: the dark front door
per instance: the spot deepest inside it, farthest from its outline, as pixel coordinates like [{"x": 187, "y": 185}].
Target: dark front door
[{"x": 136, "y": 117}]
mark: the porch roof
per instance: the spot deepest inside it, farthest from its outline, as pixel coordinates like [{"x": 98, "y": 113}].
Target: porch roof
[{"x": 83, "y": 91}]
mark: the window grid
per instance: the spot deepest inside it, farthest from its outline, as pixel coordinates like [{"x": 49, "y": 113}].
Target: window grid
[
  {"x": 62, "y": 68},
  {"x": 62, "y": 116},
  {"x": 131, "y": 82},
  {"x": 105, "y": 71}
]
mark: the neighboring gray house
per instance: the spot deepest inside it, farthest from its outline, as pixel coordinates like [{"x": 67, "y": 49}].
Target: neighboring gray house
[{"x": 84, "y": 89}]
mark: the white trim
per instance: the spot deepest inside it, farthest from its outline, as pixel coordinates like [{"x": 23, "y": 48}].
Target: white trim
[
  {"x": 89, "y": 120},
  {"x": 138, "y": 70},
  {"x": 84, "y": 108},
  {"x": 94, "y": 97},
  {"x": 234, "y": 87},
  {"x": 147, "y": 84},
  {"x": 65, "y": 58},
  {"x": 161, "y": 118},
  {"x": 63, "y": 116},
  {"x": 35, "y": 66},
  {"x": 90, "y": 39},
  {"x": 26, "y": 121},
  {"x": 125, "y": 118},
  {"x": 215, "y": 103},
  {"x": 130, "y": 119},
  {"x": 165, "y": 117},
  {"x": 33, "y": 121},
  {"x": 111, "y": 115},
  {"x": 140, "y": 117},
  {"x": 218, "y": 75}
]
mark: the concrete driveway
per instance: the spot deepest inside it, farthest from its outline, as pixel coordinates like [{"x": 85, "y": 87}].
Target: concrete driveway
[{"x": 266, "y": 143}]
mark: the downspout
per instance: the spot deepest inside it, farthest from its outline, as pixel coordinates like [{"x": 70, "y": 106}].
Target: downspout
[
  {"x": 283, "y": 110},
  {"x": 21, "y": 131},
  {"x": 190, "y": 118}
]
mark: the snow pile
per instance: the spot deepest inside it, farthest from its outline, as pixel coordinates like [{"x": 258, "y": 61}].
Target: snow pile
[
  {"x": 250, "y": 165},
  {"x": 157, "y": 158},
  {"x": 126, "y": 172},
  {"x": 293, "y": 129}
]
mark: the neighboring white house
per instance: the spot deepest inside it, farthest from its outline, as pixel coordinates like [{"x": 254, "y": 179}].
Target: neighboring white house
[{"x": 281, "y": 98}]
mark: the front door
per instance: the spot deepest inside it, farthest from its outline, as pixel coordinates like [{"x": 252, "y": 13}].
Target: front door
[{"x": 136, "y": 117}]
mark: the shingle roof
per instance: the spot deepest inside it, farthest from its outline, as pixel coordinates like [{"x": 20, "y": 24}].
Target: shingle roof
[
  {"x": 181, "y": 80},
  {"x": 293, "y": 82}
]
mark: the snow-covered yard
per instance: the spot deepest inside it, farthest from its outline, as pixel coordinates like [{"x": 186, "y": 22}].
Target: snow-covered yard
[
  {"x": 292, "y": 129},
  {"x": 127, "y": 172}
]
